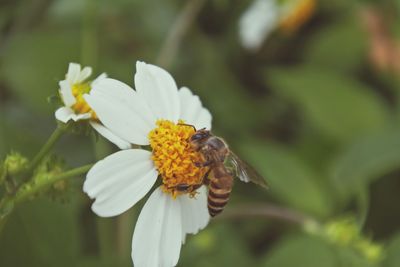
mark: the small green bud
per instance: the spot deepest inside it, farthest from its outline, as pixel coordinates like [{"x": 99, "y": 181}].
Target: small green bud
[
  {"x": 14, "y": 163},
  {"x": 372, "y": 252},
  {"x": 343, "y": 231},
  {"x": 346, "y": 233}
]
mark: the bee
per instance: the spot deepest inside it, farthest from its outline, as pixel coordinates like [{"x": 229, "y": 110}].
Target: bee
[{"x": 223, "y": 166}]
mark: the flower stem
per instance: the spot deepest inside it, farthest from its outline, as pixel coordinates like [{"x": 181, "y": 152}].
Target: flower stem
[
  {"x": 36, "y": 185},
  {"x": 43, "y": 182},
  {"x": 89, "y": 44},
  {"x": 268, "y": 211},
  {"x": 362, "y": 200},
  {"x": 58, "y": 132},
  {"x": 3, "y": 223},
  {"x": 178, "y": 30}
]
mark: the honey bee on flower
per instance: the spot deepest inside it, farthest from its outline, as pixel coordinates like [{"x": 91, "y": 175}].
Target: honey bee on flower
[
  {"x": 163, "y": 121},
  {"x": 150, "y": 116}
]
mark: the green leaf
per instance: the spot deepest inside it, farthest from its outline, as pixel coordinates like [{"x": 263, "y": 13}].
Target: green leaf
[
  {"x": 301, "y": 251},
  {"x": 213, "y": 246},
  {"x": 338, "y": 106},
  {"x": 366, "y": 160},
  {"x": 341, "y": 46},
  {"x": 347, "y": 257},
  {"x": 309, "y": 251},
  {"x": 40, "y": 233},
  {"x": 290, "y": 180},
  {"x": 393, "y": 252}
]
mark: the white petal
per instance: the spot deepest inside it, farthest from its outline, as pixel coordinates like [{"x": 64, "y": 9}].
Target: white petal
[
  {"x": 73, "y": 73},
  {"x": 158, "y": 232},
  {"x": 118, "y": 115},
  {"x": 99, "y": 78},
  {"x": 157, "y": 87},
  {"x": 84, "y": 74},
  {"x": 194, "y": 211},
  {"x": 257, "y": 22},
  {"x": 124, "y": 93},
  {"x": 105, "y": 132},
  {"x": 119, "y": 181},
  {"x": 66, "y": 93},
  {"x": 64, "y": 114},
  {"x": 203, "y": 120},
  {"x": 78, "y": 117},
  {"x": 192, "y": 111}
]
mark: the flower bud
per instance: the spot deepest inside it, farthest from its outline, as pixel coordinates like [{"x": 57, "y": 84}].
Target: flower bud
[
  {"x": 346, "y": 233},
  {"x": 371, "y": 251},
  {"x": 343, "y": 231},
  {"x": 12, "y": 165}
]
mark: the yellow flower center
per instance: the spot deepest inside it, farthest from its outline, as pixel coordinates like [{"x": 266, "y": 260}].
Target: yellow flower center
[
  {"x": 81, "y": 107},
  {"x": 175, "y": 159}
]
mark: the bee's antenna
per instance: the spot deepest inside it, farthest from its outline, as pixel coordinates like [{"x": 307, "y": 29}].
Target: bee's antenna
[{"x": 189, "y": 125}]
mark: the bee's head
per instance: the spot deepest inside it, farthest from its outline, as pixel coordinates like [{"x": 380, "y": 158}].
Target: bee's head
[{"x": 199, "y": 138}]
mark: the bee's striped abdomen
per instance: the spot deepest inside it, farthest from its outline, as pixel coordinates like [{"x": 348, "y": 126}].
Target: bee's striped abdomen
[
  {"x": 217, "y": 199},
  {"x": 219, "y": 190}
]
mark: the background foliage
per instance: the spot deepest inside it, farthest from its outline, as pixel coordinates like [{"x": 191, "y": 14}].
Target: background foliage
[{"x": 317, "y": 112}]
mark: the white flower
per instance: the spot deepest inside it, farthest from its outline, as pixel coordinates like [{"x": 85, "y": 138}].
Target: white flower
[
  {"x": 258, "y": 22},
  {"x": 71, "y": 91},
  {"x": 152, "y": 115},
  {"x": 265, "y": 16}
]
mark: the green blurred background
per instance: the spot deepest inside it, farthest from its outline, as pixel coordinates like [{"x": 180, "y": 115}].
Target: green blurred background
[{"x": 316, "y": 110}]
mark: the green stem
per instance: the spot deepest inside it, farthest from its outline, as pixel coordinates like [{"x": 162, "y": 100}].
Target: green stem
[
  {"x": 3, "y": 223},
  {"x": 178, "y": 30},
  {"x": 362, "y": 206},
  {"x": 268, "y": 211},
  {"x": 89, "y": 45},
  {"x": 58, "y": 132},
  {"x": 33, "y": 187},
  {"x": 39, "y": 184}
]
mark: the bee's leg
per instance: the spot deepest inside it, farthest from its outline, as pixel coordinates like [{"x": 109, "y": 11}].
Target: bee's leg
[
  {"x": 181, "y": 187},
  {"x": 203, "y": 164},
  {"x": 206, "y": 179},
  {"x": 193, "y": 192},
  {"x": 186, "y": 188}
]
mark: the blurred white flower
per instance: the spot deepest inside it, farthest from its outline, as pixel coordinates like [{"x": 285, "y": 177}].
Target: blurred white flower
[
  {"x": 150, "y": 116},
  {"x": 265, "y": 16},
  {"x": 257, "y": 23},
  {"x": 71, "y": 91}
]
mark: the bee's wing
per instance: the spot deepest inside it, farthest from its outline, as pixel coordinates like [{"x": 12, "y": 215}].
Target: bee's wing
[{"x": 245, "y": 172}]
